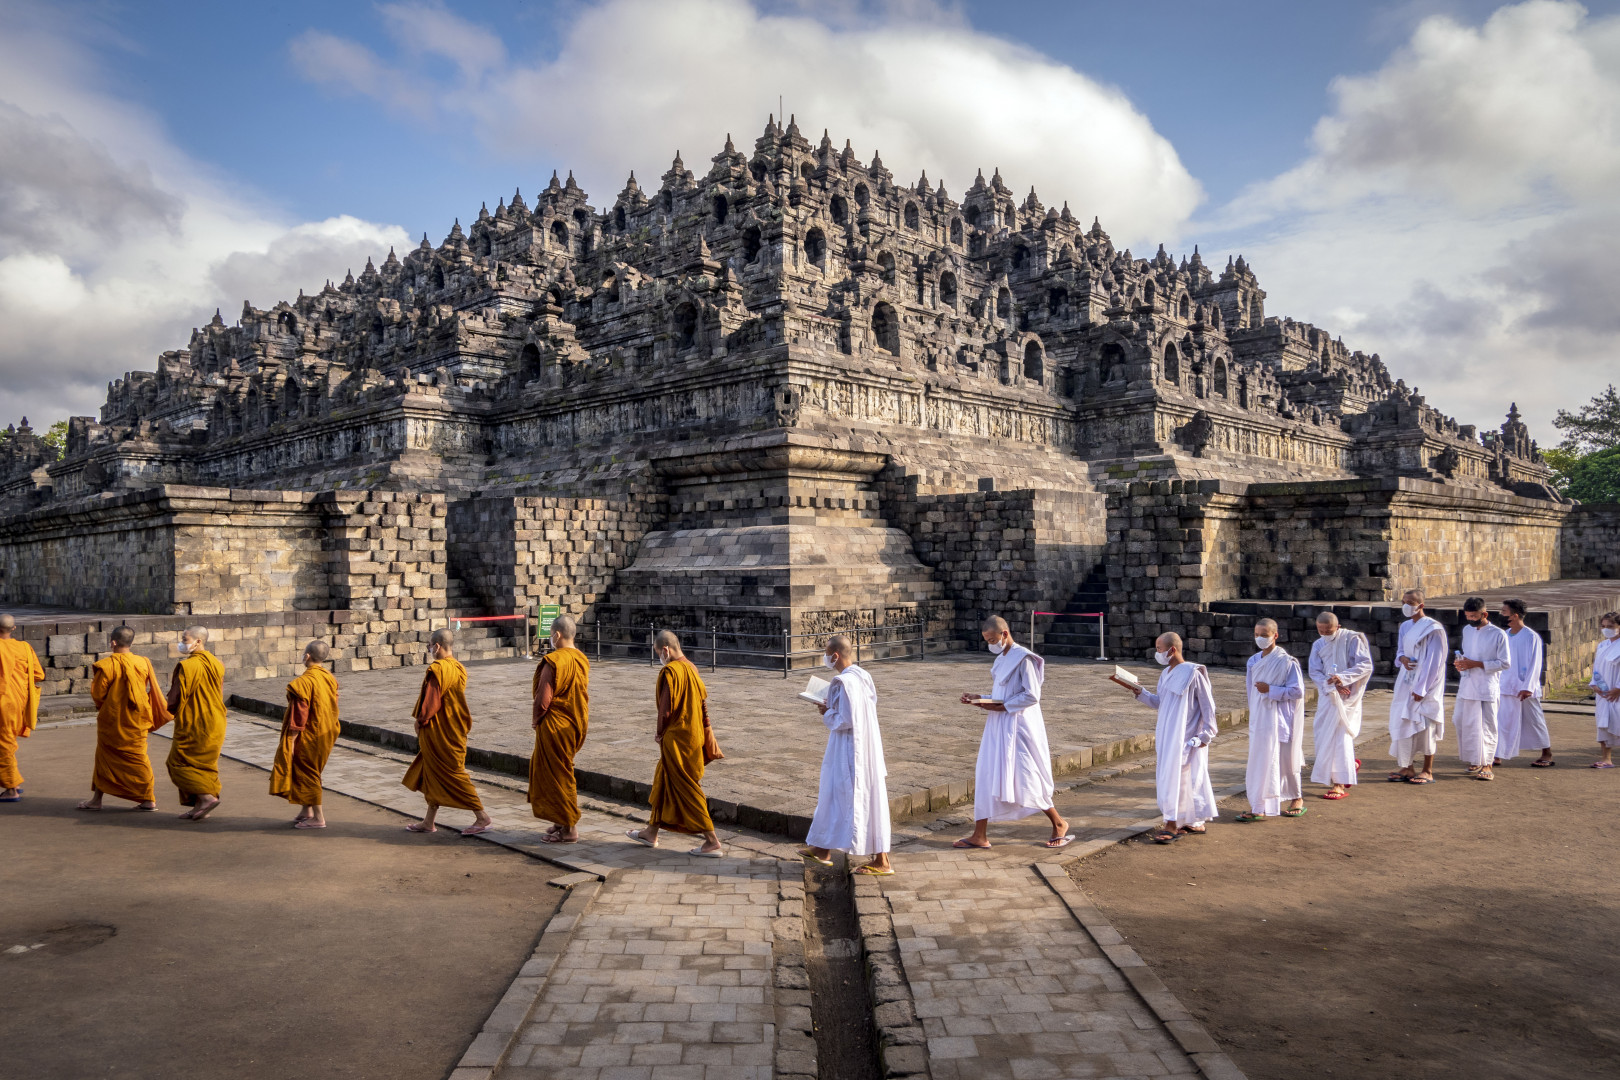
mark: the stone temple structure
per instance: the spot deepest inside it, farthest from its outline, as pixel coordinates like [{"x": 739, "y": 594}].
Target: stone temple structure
[{"x": 785, "y": 392}]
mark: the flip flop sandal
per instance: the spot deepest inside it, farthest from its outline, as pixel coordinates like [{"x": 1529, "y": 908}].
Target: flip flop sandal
[
  {"x": 805, "y": 853},
  {"x": 1482, "y": 775},
  {"x": 1299, "y": 812},
  {"x": 554, "y": 838},
  {"x": 12, "y": 798},
  {"x": 1399, "y": 778},
  {"x": 1334, "y": 794},
  {"x": 97, "y": 809},
  {"x": 1420, "y": 780},
  {"x": 1200, "y": 831},
  {"x": 1248, "y": 818},
  {"x": 307, "y": 824},
  {"x": 1166, "y": 837},
  {"x": 144, "y": 809},
  {"x": 474, "y": 830},
  {"x": 408, "y": 828},
  {"x": 1595, "y": 765},
  {"x": 635, "y": 835},
  {"x": 1057, "y": 842},
  {"x": 1358, "y": 764},
  {"x": 964, "y": 845},
  {"x": 1539, "y": 764},
  {"x": 700, "y": 853},
  {"x": 871, "y": 871}
]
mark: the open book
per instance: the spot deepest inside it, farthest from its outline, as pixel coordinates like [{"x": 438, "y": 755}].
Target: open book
[
  {"x": 815, "y": 691},
  {"x": 1125, "y": 677}
]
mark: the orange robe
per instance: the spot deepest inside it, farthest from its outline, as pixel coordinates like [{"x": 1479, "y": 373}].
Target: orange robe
[
  {"x": 307, "y": 735},
  {"x": 677, "y": 798},
  {"x": 443, "y": 722},
  {"x": 199, "y": 726},
  {"x": 558, "y": 734},
  {"x": 20, "y": 676},
  {"x": 128, "y": 706}
]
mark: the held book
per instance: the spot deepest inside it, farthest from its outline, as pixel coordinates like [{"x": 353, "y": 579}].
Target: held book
[
  {"x": 815, "y": 691},
  {"x": 1126, "y": 677},
  {"x": 984, "y": 701}
]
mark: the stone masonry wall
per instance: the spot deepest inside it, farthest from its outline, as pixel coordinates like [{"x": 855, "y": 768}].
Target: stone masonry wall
[
  {"x": 1591, "y": 542},
  {"x": 1005, "y": 552},
  {"x": 111, "y": 554}
]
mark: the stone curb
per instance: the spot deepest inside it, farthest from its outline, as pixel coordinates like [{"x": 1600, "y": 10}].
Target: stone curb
[
  {"x": 902, "y": 1046},
  {"x": 1188, "y": 1033},
  {"x": 491, "y": 1045},
  {"x": 795, "y": 1027}
]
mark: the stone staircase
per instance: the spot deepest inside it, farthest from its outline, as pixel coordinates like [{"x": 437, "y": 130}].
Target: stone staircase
[
  {"x": 1078, "y": 637},
  {"x": 481, "y": 641}
]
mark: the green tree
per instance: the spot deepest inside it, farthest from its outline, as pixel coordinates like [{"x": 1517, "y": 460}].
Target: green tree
[
  {"x": 1595, "y": 426},
  {"x": 1592, "y": 478},
  {"x": 57, "y": 437}
]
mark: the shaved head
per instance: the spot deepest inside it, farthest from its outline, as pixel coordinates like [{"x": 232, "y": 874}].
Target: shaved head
[
  {"x": 994, "y": 624},
  {"x": 840, "y": 646},
  {"x": 8, "y": 622},
  {"x": 123, "y": 637},
  {"x": 317, "y": 651},
  {"x": 1168, "y": 640},
  {"x": 1266, "y": 628},
  {"x": 1328, "y": 619},
  {"x": 666, "y": 639},
  {"x": 1412, "y": 596},
  {"x": 198, "y": 634},
  {"x": 443, "y": 638},
  {"x": 564, "y": 627}
]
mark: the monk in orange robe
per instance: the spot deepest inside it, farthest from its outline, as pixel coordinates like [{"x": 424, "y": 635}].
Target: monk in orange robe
[
  {"x": 442, "y": 725},
  {"x": 128, "y": 707},
  {"x": 20, "y": 676},
  {"x": 561, "y": 716},
  {"x": 307, "y": 735},
  {"x": 685, "y": 743},
  {"x": 197, "y": 701}
]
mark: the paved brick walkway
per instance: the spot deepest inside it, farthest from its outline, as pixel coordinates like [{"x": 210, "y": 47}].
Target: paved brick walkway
[{"x": 664, "y": 971}]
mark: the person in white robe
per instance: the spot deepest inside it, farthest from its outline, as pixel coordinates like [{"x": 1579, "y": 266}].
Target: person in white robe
[
  {"x": 1520, "y": 723},
  {"x": 1186, "y": 705},
  {"x": 1485, "y": 655},
  {"x": 1013, "y": 778},
  {"x": 1276, "y": 729},
  {"x": 1605, "y": 686},
  {"x": 1417, "y": 711},
  {"x": 852, "y": 807},
  {"x": 1341, "y": 667}
]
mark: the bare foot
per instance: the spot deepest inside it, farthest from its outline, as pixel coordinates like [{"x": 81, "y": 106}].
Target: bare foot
[
  {"x": 145, "y": 807},
  {"x": 418, "y": 827},
  {"x": 90, "y": 804},
  {"x": 200, "y": 812},
  {"x": 1060, "y": 828},
  {"x": 967, "y": 842}
]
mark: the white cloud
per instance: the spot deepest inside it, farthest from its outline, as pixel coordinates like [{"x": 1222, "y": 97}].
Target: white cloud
[
  {"x": 635, "y": 80},
  {"x": 113, "y": 244},
  {"x": 1458, "y": 213}
]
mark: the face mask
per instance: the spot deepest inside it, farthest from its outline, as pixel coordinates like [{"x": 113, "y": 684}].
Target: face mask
[
  {"x": 996, "y": 647},
  {"x": 1408, "y": 610},
  {"x": 1262, "y": 643},
  {"x": 1163, "y": 658},
  {"x": 188, "y": 647},
  {"x": 555, "y": 643},
  {"x": 826, "y": 661},
  {"x": 1476, "y": 622},
  {"x": 1609, "y": 631}
]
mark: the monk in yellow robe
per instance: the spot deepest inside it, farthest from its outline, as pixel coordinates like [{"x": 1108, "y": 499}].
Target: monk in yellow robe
[
  {"x": 128, "y": 707},
  {"x": 20, "y": 676},
  {"x": 197, "y": 701},
  {"x": 685, "y": 744},
  {"x": 307, "y": 734},
  {"x": 443, "y": 722},
  {"x": 561, "y": 716}
]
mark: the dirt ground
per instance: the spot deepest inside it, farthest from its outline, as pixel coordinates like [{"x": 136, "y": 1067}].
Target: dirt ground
[
  {"x": 1463, "y": 929},
  {"x": 239, "y": 947}
]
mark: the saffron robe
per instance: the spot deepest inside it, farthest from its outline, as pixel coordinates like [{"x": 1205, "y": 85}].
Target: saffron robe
[
  {"x": 1186, "y": 704},
  {"x": 1013, "y": 776},
  {"x": 439, "y": 771},
  {"x": 128, "y": 706},
  {"x": 852, "y": 806},
  {"x": 199, "y": 726},
  {"x": 20, "y": 676},
  {"x": 559, "y": 733},
  {"x": 1416, "y": 727},
  {"x": 1520, "y": 724},
  {"x": 1606, "y": 676},
  {"x": 307, "y": 734},
  {"x": 678, "y": 802},
  {"x": 1338, "y": 716},
  {"x": 1276, "y": 731}
]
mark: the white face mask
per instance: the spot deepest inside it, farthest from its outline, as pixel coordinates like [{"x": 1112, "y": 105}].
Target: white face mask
[
  {"x": 555, "y": 643},
  {"x": 1262, "y": 643},
  {"x": 826, "y": 661},
  {"x": 996, "y": 647},
  {"x": 1610, "y": 632},
  {"x": 1408, "y": 610},
  {"x": 1163, "y": 658},
  {"x": 188, "y": 647}
]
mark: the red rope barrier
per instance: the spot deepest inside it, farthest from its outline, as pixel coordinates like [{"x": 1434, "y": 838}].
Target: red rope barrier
[{"x": 483, "y": 618}]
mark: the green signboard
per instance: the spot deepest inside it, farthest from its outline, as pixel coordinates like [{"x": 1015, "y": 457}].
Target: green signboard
[{"x": 548, "y": 615}]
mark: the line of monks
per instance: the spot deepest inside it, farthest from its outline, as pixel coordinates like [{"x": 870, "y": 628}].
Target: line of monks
[{"x": 1497, "y": 711}]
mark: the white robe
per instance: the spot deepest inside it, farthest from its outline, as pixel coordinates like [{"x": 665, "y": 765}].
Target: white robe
[
  {"x": 1606, "y": 676},
  {"x": 1186, "y": 704},
  {"x": 1478, "y": 691},
  {"x": 1013, "y": 778},
  {"x": 1520, "y": 724},
  {"x": 1338, "y": 717},
  {"x": 1276, "y": 731},
  {"x": 852, "y": 807},
  {"x": 1416, "y": 727}
]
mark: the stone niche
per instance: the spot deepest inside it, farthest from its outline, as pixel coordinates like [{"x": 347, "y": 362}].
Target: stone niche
[{"x": 784, "y": 532}]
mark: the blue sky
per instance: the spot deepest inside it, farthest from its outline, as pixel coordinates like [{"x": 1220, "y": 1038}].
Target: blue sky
[{"x": 1432, "y": 180}]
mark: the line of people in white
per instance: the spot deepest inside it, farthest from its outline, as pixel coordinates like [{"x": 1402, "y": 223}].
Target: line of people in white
[{"x": 1497, "y": 711}]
